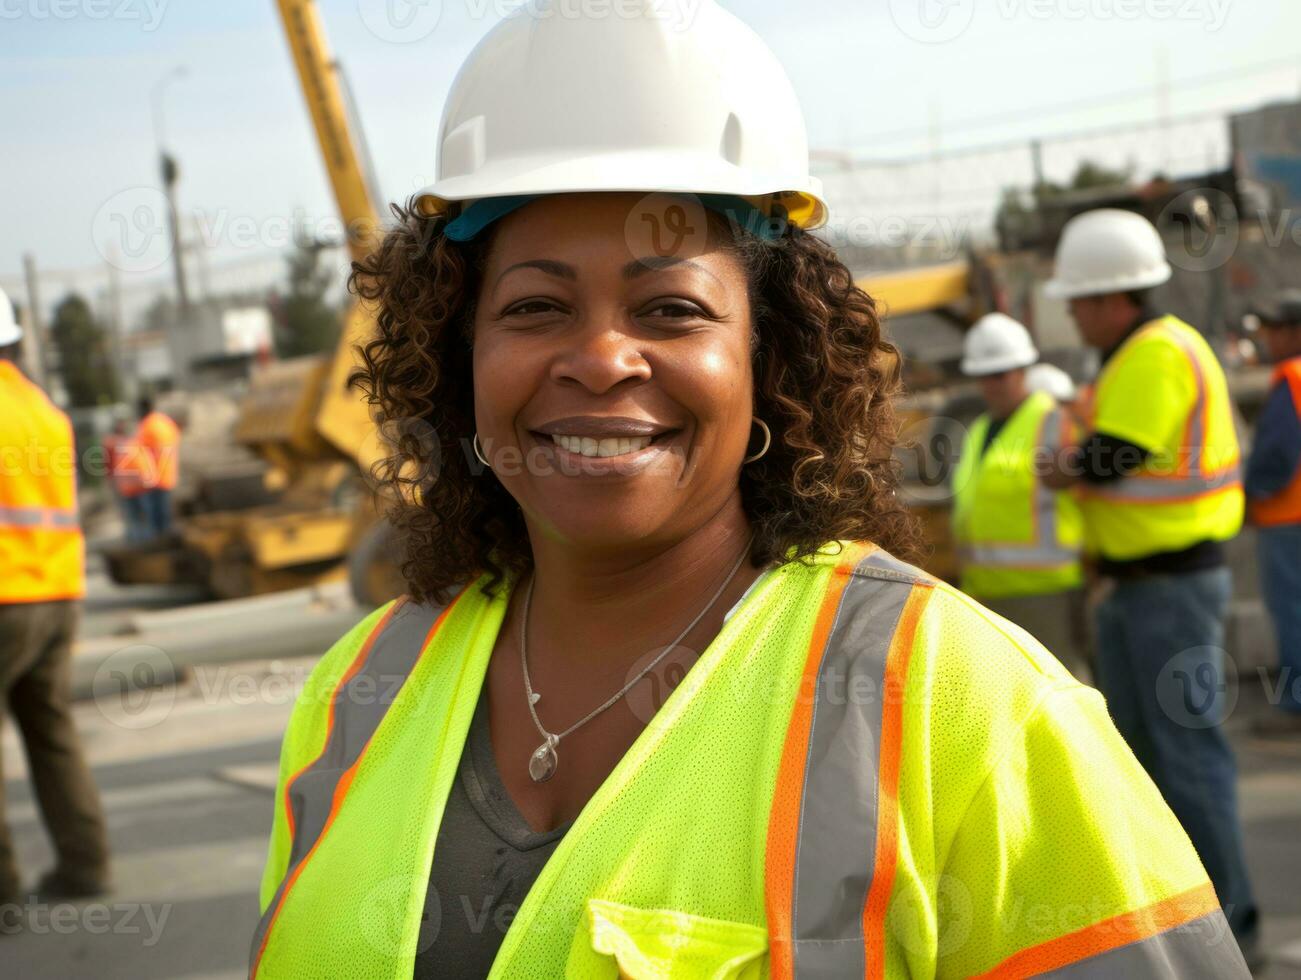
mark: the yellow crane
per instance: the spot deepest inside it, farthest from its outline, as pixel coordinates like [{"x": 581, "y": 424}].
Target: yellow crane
[{"x": 312, "y": 431}]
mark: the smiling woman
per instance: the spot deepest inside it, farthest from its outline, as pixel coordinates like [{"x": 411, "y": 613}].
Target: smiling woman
[
  {"x": 659, "y": 701},
  {"x": 548, "y": 340}
]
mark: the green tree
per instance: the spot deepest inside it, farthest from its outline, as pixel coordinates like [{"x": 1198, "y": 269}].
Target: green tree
[
  {"x": 82, "y": 343},
  {"x": 305, "y": 322}
]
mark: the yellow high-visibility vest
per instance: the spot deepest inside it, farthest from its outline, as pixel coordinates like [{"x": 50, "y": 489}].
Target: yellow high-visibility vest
[
  {"x": 1016, "y": 537},
  {"x": 42, "y": 554},
  {"x": 1164, "y": 391},
  {"x": 864, "y": 774}
]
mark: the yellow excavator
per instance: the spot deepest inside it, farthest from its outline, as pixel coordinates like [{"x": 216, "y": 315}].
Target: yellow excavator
[{"x": 316, "y": 440}]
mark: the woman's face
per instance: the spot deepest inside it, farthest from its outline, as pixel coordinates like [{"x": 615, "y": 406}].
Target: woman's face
[{"x": 612, "y": 380}]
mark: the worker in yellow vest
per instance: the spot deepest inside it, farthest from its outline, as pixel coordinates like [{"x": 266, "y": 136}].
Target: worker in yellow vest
[
  {"x": 1020, "y": 541},
  {"x": 1273, "y": 488},
  {"x": 659, "y": 702},
  {"x": 42, "y": 577},
  {"x": 1160, "y": 489}
]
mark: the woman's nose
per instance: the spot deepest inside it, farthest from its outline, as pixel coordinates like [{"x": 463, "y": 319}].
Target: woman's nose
[{"x": 600, "y": 356}]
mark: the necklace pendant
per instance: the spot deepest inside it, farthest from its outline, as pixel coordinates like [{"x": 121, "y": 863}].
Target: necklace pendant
[{"x": 544, "y": 761}]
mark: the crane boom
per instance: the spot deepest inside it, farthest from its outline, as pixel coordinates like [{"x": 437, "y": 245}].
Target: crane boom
[{"x": 325, "y": 103}]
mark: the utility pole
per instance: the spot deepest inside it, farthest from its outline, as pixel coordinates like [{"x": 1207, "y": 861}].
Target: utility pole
[
  {"x": 179, "y": 343},
  {"x": 34, "y": 363},
  {"x": 115, "y": 328}
]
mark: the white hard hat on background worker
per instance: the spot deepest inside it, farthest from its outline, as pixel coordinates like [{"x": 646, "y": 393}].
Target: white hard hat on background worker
[
  {"x": 1051, "y": 380},
  {"x": 1108, "y": 251},
  {"x": 10, "y": 331},
  {"x": 997, "y": 343},
  {"x": 532, "y": 111}
]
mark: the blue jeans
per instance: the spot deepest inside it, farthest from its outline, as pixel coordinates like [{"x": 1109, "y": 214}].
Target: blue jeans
[
  {"x": 157, "y": 507},
  {"x": 1279, "y": 549},
  {"x": 1160, "y": 664},
  {"x": 133, "y": 515}
]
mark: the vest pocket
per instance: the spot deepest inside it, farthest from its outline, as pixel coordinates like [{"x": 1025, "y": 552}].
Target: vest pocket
[{"x": 665, "y": 944}]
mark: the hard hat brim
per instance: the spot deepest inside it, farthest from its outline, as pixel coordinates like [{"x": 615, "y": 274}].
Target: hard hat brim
[
  {"x": 637, "y": 173},
  {"x": 1065, "y": 289},
  {"x": 983, "y": 368}
]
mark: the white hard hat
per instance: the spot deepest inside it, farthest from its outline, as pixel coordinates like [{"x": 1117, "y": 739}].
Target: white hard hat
[
  {"x": 1051, "y": 380},
  {"x": 1107, "y": 251},
  {"x": 997, "y": 343},
  {"x": 551, "y": 103},
  {"x": 10, "y": 332}
]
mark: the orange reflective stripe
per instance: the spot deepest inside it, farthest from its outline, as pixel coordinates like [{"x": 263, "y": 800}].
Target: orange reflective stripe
[
  {"x": 1119, "y": 930},
  {"x": 887, "y": 836},
  {"x": 784, "y": 818}
]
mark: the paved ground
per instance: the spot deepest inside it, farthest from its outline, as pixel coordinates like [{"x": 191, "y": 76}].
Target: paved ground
[{"x": 184, "y": 772}]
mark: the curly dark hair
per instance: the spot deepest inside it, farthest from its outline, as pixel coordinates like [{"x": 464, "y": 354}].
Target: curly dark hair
[{"x": 824, "y": 381}]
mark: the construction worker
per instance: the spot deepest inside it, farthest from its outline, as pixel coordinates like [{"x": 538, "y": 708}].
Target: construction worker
[
  {"x": 41, "y": 580},
  {"x": 1020, "y": 541},
  {"x": 159, "y": 440},
  {"x": 658, "y": 701},
  {"x": 1161, "y": 492},
  {"x": 1273, "y": 488},
  {"x": 122, "y": 464}
]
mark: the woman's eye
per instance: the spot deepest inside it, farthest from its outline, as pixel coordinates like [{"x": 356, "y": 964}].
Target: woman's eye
[
  {"x": 675, "y": 311},
  {"x": 530, "y": 306}
]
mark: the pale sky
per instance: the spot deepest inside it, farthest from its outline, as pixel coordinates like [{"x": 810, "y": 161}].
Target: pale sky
[{"x": 882, "y": 78}]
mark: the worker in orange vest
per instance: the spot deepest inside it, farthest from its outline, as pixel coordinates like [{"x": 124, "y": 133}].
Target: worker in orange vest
[
  {"x": 122, "y": 464},
  {"x": 42, "y": 577},
  {"x": 159, "y": 439},
  {"x": 1273, "y": 487}
]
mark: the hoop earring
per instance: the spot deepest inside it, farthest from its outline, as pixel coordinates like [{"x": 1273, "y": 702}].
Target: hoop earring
[
  {"x": 474, "y": 441},
  {"x": 767, "y": 441}
]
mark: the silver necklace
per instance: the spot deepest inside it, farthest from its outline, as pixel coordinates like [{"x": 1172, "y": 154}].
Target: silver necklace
[{"x": 544, "y": 761}]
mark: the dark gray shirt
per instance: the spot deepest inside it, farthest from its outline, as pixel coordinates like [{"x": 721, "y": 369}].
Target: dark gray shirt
[{"x": 486, "y": 859}]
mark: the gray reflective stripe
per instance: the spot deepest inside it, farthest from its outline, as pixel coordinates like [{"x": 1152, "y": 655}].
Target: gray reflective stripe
[
  {"x": 56, "y": 517},
  {"x": 1028, "y": 557},
  {"x": 1202, "y": 948},
  {"x": 835, "y": 849},
  {"x": 359, "y": 706}
]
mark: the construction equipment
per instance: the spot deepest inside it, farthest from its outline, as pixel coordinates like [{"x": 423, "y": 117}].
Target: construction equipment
[{"x": 313, "y": 435}]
